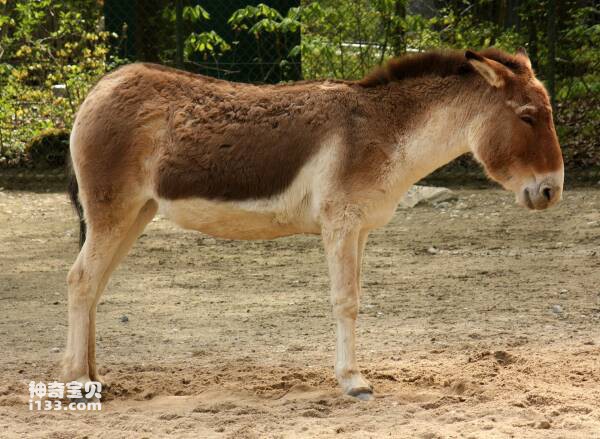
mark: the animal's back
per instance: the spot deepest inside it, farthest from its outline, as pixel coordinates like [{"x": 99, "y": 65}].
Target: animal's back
[{"x": 200, "y": 137}]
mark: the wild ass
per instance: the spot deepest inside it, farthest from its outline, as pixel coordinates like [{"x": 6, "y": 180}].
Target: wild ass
[{"x": 334, "y": 158}]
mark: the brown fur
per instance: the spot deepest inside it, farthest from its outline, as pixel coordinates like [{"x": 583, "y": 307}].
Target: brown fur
[
  {"x": 239, "y": 142},
  {"x": 211, "y": 139},
  {"x": 511, "y": 143}
]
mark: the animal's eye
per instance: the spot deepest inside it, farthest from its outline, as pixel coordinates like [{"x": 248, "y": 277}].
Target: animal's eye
[{"x": 529, "y": 120}]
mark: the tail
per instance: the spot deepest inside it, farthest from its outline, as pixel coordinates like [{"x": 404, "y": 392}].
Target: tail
[{"x": 73, "y": 189}]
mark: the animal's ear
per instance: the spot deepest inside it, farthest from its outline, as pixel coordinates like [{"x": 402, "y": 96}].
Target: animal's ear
[
  {"x": 523, "y": 56},
  {"x": 492, "y": 71}
]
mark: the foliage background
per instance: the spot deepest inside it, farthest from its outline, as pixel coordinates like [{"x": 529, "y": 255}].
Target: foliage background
[{"x": 52, "y": 52}]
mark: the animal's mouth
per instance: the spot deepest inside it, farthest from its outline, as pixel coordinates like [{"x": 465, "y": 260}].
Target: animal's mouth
[{"x": 528, "y": 201}]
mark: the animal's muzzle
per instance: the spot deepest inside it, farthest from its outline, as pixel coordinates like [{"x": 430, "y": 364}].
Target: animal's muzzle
[{"x": 543, "y": 195}]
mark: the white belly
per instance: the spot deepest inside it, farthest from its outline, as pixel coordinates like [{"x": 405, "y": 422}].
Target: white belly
[{"x": 240, "y": 220}]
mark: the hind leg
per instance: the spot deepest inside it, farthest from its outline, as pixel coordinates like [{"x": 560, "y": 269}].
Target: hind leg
[
  {"x": 109, "y": 238},
  {"x": 144, "y": 217}
]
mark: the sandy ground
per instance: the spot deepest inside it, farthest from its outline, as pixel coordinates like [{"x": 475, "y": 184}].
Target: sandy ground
[{"x": 493, "y": 333}]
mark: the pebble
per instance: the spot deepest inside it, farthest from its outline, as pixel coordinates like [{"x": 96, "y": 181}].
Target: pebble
[
  {"x": 432, "y": 251},
  {"x": 557, "y": 309},
  {"x": 544, "y": 425},
  {"x": 124, "y": 319},
  {"x": 55, "y": 350}
]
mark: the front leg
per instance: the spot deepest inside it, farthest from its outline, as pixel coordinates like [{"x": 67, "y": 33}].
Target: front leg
[{"x": 343, "y": 248}]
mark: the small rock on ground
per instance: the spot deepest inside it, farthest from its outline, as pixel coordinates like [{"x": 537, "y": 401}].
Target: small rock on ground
[{"x": 426, "y": 195}]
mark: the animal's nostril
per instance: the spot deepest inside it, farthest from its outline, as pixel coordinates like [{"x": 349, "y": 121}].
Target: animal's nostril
[{"x": 547, "y": 192}]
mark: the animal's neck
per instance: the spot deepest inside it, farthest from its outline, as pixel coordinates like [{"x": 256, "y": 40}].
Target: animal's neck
[{"x": 445, "y": 131}]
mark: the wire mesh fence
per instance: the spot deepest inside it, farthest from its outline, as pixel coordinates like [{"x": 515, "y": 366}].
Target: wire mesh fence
[
  {"x": 217, "y": 38},
  {"x": 52, "y": 52}
]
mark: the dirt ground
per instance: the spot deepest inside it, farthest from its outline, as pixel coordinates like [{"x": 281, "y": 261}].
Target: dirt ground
[{"x": 478, "y": 320}]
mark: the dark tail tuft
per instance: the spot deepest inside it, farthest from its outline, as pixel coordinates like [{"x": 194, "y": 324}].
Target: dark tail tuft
[{"x": 73, "y": 190}]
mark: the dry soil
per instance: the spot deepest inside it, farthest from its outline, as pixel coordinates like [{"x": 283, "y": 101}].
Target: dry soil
[{"x": 479, "y": 319}]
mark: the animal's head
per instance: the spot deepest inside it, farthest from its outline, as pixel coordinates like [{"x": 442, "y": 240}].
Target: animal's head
[{"x": 517, "y": 144}]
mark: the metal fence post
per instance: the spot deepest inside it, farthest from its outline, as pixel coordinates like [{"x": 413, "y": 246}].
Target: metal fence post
[
  {"x": 179, "y": 33},
  {"x": 551, "y": 70}
]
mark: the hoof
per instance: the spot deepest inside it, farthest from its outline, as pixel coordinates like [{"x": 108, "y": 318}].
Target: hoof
[
  {"x": 364, "y": 396},
  {"x": 355, "y": 385},
  {"x": 362, "y": 393},
  {"x": 83, "y": 380}
]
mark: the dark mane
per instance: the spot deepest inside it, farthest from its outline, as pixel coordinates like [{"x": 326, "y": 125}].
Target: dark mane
[{"x": 440, "y": 63}]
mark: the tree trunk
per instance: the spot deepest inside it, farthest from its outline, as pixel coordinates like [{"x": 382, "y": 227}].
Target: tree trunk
[
  {"x": 179, "y": 34},
  {"x": 532, "y": 48},
  {"x": 398, "y": 37},
  {"x": 551, "y": 66}
]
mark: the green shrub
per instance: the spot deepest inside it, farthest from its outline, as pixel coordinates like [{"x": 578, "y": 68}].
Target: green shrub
[
  {"x": 46, "y": 43},
  {"x": 49, "y": 149}
]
